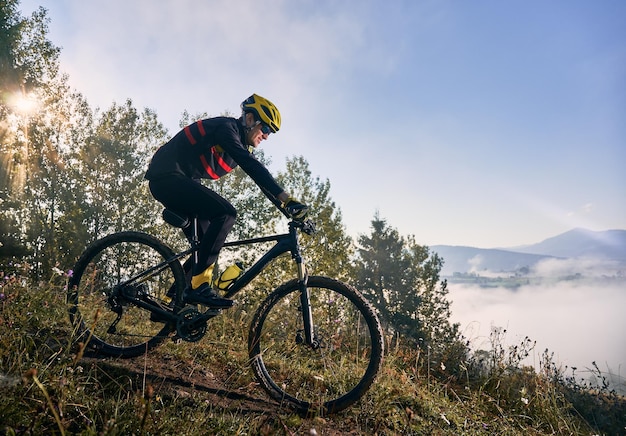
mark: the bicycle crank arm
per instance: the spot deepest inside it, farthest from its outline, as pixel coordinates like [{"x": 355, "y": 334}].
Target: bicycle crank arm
[{"x": 208, "y": 314}]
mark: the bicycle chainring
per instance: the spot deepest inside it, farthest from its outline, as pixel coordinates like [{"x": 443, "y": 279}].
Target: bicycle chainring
[{"x": 189, "y": 326}]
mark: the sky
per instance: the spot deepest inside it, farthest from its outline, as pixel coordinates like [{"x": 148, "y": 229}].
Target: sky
[{"x": 479, "y": 123}]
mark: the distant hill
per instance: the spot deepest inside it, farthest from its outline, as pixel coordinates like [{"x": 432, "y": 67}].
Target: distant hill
[
  {"x": 577, "y": 243},
  {"x": 609, "y": 244}
]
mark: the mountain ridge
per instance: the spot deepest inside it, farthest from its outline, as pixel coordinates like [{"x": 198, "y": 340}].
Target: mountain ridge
[{"x": 578, "y": 243}]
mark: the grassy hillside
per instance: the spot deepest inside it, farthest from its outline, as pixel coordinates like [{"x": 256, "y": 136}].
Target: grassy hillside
[{"x": 49, "y": 386}]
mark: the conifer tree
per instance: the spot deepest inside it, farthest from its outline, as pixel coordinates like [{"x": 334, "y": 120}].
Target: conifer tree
[{"x": 401, "y": 278}]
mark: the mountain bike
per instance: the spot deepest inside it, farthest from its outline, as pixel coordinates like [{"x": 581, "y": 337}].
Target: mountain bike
[{"x": 314, "y": 343}]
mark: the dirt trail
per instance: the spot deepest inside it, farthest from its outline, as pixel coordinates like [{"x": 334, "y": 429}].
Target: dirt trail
[{"x": 168, "y": 376}]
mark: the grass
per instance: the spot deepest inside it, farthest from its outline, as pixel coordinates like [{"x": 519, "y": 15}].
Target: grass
[{"x": 49, "y": 387}]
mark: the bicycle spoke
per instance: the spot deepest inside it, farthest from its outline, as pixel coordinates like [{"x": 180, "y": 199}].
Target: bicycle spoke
[
  {"x": 329, "y": 377},
  {"x": 108, "y": 277}
]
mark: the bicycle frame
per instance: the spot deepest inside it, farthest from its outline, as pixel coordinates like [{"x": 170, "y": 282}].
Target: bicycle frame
[
  {"x": 287, "y": 242},
  {"x": 284, "y": 243}
]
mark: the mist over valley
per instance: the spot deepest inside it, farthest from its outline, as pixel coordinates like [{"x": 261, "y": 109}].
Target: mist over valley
[{"x": 568, "y": 293}]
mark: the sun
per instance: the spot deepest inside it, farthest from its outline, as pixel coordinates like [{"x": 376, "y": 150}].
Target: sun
[{"x": 25, "y": 104}]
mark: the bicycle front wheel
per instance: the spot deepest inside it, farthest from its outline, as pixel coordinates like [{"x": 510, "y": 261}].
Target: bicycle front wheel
[
  {"x": 323, "y": 379},
  {"x": 112, "y": 273}
]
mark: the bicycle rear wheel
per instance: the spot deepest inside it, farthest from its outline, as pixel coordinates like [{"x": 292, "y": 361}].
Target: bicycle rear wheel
[
  {"x": 335, "y": 375},
  {"x": 112, "y": 273}
]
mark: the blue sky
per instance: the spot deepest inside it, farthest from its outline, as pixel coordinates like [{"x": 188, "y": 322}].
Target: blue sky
[{"x": 482, "y": 123}]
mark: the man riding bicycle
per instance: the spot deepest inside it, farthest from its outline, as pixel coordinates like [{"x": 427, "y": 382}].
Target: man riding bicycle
[{"x": 209, "y": 149}]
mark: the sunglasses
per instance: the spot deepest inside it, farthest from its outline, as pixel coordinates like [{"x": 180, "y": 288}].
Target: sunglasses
[{"x": 265, "y": 129}]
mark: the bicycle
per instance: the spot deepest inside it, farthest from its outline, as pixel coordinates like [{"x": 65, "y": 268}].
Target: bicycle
[{"x": 314, "y": 343}]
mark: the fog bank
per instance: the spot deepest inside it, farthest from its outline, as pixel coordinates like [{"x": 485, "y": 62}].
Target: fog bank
[{"x": 580, "y": 321}]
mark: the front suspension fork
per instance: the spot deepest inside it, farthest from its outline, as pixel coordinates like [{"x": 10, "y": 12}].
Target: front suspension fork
[{"x": 310, "y": 338}]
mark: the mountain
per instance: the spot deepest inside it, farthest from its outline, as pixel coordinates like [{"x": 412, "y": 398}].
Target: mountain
[
  {"x": 574, "y": 244},
  {"x": 608, "y": 244}
]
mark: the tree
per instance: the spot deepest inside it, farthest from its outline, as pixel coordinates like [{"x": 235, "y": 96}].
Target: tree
[
  {"x": 383, "y": 274},
  {"x": 28, "y": 60},
  {"x": 29, "y": 71},
  {"x": 329, "y": 250},
  {"x": 401, "y": 278},
  {"x": 111, "y": 164}
]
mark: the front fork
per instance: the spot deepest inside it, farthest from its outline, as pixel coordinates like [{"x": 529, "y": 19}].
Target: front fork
[{"x": 310, "y": 338}]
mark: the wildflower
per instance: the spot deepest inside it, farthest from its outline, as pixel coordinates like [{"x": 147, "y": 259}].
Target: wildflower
[
  {"x": 70, "y": 273},
  {"x": 525, "y": 401},
  {"x": 57, "y": 271}
]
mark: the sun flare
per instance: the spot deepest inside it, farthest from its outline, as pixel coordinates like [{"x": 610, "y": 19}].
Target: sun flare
[{"x": 24, "y": 104}]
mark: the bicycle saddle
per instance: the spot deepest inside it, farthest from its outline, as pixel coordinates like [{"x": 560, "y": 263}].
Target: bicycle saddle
[{"x": 176, "y": 219}]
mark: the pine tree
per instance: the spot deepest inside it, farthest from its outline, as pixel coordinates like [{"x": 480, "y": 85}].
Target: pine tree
[
  {"x": 401, "y": 278},
  {"x": 111, "y": 166}
]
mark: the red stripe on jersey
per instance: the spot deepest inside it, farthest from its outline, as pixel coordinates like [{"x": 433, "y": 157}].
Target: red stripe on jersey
[
  {"x": 221, "y": 161},
  {"x": 189, "y": 135},
  {"x": 208, "y": 168}
]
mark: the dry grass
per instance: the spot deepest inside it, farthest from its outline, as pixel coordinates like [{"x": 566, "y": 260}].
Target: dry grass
[{"x": 49, "y": 387}]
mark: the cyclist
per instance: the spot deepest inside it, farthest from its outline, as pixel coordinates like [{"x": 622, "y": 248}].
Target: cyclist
[{"x": 209, "y": 149}]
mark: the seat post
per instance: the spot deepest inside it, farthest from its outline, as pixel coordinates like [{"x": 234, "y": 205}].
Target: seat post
[{"x": 194, "y": 238}]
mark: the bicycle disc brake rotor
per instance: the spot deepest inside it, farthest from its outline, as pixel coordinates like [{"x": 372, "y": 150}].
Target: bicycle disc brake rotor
[{"x": 189, "y": 327}]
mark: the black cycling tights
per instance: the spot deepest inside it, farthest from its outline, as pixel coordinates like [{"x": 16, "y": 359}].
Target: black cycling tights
[{"x": 216, "y": 216}]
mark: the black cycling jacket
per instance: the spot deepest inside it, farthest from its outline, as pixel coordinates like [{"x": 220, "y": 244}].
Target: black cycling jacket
[{"x": 209, "y": 149}]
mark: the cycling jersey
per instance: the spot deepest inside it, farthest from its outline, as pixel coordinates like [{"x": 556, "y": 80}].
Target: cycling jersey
[{"x": 209, "y": 149}]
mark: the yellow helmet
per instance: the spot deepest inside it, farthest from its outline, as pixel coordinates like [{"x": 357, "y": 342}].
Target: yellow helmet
[{"x": 264, "y": 111}]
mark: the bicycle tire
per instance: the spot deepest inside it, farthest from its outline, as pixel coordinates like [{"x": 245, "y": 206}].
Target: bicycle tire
[
  {"x": 324, "y": 380},
  {"x": 97, "y": 274}
]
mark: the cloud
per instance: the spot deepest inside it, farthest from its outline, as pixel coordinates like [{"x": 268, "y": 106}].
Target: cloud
[
  {"x": 579, "y": 322},
  {"x": 585, "y": 209},
  {"x": 158, "y": 51}
]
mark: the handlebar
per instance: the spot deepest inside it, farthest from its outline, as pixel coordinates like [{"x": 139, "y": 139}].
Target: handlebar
[{"x": 307, "y": 226}]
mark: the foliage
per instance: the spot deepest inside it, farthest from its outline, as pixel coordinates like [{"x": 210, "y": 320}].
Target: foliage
[
  {"x": 28, "y": 61},
  {"x": 329, "y": 250},
  {"x": 111, "y": 166},
  {"x": 401, "y": 278},
  {"x": 49, "y": 387},
  {"x": 70, "y": 174}
]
